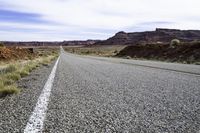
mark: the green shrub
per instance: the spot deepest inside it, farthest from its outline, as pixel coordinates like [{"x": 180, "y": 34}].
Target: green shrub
[
  {"x": 24, "y": 73},
  {"x": 27, "y": 68},
  {"x": 174, "y": 43}
]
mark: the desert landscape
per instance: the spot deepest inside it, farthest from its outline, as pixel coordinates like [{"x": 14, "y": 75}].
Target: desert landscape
[
  {"x": 99, "y": 66},
  {"x": 167, "y": 45}
]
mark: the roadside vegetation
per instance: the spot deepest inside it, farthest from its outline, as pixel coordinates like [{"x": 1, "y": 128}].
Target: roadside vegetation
[
  {"x": 106, "y": 51},
  {"x": 176, "y": 51},
  {"x": 15, "y": 70}
]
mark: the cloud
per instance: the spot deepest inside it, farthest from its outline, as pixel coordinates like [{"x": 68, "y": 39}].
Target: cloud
[
  {"x": 14, "y": 16},
  {"x": 91, "y": 19}
]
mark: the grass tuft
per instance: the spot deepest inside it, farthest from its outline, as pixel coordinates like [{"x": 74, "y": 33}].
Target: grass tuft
[
  {"x": 24, "y": 73},
  {"x": 7, "y": 90},
  {"x": 13, "y": 76},
  {"x": 10, "y": 68},
  {"x": 7, "y": 81},
  {"x": 13, "y": 73},
  {"x": 29, "y": 67},
  {"x": 45, "y": 61}
]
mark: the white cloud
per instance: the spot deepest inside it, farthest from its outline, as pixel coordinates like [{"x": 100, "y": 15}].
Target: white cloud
[{"x": 82, "y": 15}]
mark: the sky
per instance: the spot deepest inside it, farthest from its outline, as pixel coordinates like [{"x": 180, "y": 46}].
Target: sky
[{"x": 58, "y": 20}]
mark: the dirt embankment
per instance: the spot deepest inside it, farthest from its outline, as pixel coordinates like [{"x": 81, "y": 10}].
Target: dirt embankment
[
  {"x": 13, "y": 53},
  {"x": 185, "y": 52}
]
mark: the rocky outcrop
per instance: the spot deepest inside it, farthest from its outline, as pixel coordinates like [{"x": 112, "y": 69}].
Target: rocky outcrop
[
  {"x": 188, "y": 52},
  {"x": 157, "y": 36}
]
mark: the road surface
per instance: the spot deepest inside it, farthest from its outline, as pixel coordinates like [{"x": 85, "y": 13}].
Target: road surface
[{"x": 93, "y": 94}]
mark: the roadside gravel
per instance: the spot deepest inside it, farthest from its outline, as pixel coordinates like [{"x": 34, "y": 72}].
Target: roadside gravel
[{"x": 16, "y": 109}]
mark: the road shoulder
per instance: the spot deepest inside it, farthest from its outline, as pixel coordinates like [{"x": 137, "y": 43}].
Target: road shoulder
[{"x": 16, "y": 109}]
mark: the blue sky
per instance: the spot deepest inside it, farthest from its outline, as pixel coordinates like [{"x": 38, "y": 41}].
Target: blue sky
[{"x": 57, "y": 20}]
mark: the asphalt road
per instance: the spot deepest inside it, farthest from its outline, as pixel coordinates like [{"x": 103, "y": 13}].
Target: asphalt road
[{"x": 93, "y": 94}]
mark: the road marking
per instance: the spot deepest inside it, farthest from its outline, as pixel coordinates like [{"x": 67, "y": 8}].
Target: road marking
[{"x": 35, "y": 123}]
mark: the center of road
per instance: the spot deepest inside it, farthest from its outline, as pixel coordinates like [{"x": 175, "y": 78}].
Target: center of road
[{"x": 35, "y": 123}]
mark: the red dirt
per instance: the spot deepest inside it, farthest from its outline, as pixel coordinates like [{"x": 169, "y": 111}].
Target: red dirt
[{"x": 13, "y": 53}]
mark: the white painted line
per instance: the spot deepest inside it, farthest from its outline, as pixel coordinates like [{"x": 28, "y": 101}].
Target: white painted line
[{"x": 35, "y": 123}]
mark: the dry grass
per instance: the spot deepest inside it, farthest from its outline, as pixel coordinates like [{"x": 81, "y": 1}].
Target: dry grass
[
  {"x": 14, "y": 72},
  {"x": 13, "y": 76},
  {"x": 7, "y": 90},
  {"x": 24, "y": 73},
  {"x": 10, "y": 68}
]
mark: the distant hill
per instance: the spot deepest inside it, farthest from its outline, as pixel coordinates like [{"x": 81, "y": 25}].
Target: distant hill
[
  {"x": 122, "y": 38},
  {"x": 71, "y": 43},
  {"x": 157, "y": 36},
  {"x": 37, "y": 43}
]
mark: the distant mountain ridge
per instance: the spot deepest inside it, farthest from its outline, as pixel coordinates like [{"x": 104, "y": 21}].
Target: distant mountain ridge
[
  {"x": 160, "y": 35},
  {"x": 40, "y": 43}
]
